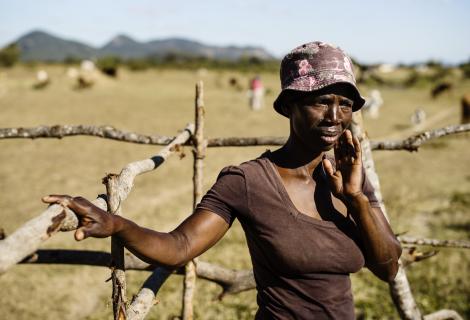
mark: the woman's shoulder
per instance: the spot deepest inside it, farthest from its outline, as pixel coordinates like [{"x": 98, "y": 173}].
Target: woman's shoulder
[{"x": 247, "y": 167}]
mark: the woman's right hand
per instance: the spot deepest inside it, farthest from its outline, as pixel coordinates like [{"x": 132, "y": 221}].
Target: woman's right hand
[{"x": 92, "y": 221}]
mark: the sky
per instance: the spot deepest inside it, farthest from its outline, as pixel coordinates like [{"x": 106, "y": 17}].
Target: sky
[{"x": 398, "y": 31}]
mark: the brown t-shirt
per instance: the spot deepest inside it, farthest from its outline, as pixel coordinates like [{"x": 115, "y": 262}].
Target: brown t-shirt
[{"x": 301, "y": 264}]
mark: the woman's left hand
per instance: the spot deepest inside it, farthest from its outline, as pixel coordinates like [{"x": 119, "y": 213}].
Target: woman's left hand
[{"x": 346, "y": 181}]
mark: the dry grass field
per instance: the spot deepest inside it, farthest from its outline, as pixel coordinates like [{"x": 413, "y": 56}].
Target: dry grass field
[{"x": 427, "y": 193}]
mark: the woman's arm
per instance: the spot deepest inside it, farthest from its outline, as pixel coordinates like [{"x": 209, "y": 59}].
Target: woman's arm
[
  {"x": 192, "y": 237},
  {"x": 382, "y": 249}
]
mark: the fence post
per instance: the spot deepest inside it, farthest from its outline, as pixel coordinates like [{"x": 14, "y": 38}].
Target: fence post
[
  {"x": 399, "y": 288},
  {"x": 118, "y": 275},
  {"x": 199, "y": 152}
]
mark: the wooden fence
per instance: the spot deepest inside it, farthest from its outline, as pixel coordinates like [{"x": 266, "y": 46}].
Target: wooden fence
[{"x": 22, "y": 246}]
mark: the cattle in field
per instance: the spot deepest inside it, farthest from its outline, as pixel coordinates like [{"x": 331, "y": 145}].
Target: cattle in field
[
  {"x": 85, "y": 76},
  {"x": 42, "y": 80},
  {"x": 87, "y": 66},
  {"x": 465, "y": 104},
  {"x": 440, "y": 88},
  {"x": 235, "y": 83}
]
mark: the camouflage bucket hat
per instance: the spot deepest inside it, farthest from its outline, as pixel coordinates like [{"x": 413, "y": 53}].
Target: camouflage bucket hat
[{"x": 313, "y": 66}]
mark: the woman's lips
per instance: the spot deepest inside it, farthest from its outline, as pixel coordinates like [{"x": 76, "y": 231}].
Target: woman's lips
[
  {"x": 329, "y": 138},
  {"x": 330, "y": 135}
]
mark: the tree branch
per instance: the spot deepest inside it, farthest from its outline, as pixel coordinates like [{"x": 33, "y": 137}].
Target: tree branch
[
  {"x": 231, "y": 281},
  {"x": 199, "y": 152},
  {"x": 246, "y": 141},
  {"x": 400, "y": 290},
  {"x": 146, "y": 297},
  {"x": 465, "y": 244},
  {"x": 28, "y": 237},
  {"x": 59, "y": 131},
  {"x": 414, "y": 142},
  {"x": 412, "y": 255},
  {"x": 443, "y": 314},
  {"x": 125, "y": 180}
]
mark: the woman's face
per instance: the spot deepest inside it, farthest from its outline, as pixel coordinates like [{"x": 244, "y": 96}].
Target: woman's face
[{"x": 318, "y": 120}]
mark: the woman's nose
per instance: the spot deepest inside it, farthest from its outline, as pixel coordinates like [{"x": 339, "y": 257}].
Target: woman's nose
[{"x": 332, "y": 113}]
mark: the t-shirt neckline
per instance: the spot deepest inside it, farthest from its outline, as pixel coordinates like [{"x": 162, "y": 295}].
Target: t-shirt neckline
[{"x": 288, "y": 201}]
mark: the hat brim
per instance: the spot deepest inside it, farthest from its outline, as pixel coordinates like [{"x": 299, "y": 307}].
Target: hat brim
[{"x": 358, "y": 99}]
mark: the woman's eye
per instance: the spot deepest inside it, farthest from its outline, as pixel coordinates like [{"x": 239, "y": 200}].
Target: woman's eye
[
  {"x": 322, "y": 102},
  {"x": 320, "y": 105}
]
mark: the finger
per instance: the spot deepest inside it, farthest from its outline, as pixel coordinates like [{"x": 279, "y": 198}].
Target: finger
[
  {"x": 344, "y": 145},
  {"x": 357, "y": 148},
  {"x": 351, "y": 147},
  {"x": 337, "y": 152},
  {"x": 63, "y": 200},
  {"x": 328, "y": 166},
  {"x": 332, "y": 176},
  {"x": 338, "y": 175},
  {"x": 81, "y": 234},
  {"x": 82, "y": 204},
  {"x": 348, "y": 136}
]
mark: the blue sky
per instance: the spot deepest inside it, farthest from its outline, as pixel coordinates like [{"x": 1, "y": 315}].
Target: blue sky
[{"x": 371, "y": 31}]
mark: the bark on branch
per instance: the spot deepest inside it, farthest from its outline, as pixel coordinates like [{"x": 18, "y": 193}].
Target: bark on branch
[
  {"x": 246, "y": 141},
  {"x": 189, "y": 283},
  {"x": 125, "y": 180},
  {"x": 146, "y": 297},
  {"x": 443, "y": 314},
  {"x": 27, "y": 239},
  {"x": 465, "y": 244},
  {"x": 59, "y": 131},
  {"x": 412, "y": 255},
  {"x": 414, "y": 142}
]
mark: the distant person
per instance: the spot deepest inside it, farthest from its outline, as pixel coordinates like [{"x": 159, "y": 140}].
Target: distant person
[
  {"x": 256, "y": 93},
  {"x": 418, "y": 119},
  {"x": 309, "y": 219},
  {"x": 373, "y": 104}
]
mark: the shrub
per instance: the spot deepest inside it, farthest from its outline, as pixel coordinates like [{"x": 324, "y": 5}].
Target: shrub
[
  {"x": 109, "y": 65},
  {"x": 9, "y": 55},
  {"x": 465, "y": 67}
]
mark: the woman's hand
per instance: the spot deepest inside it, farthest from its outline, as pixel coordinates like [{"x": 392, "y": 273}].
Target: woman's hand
[
  {"x": 346, "y": 181},
  {"x": 92, "y": 221}
]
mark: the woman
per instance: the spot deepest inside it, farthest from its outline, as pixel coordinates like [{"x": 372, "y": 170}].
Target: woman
[{"x": 309, "y": 220}]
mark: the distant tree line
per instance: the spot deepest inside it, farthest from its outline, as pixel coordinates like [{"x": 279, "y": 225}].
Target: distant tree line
[
  {"x": 184, "y": 61},
  {"x": 367, "y": 73},
  {"x": 417, "y": 74}
]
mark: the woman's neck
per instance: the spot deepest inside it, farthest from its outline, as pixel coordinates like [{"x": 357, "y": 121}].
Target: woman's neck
[{"x": 294, "y": 154}]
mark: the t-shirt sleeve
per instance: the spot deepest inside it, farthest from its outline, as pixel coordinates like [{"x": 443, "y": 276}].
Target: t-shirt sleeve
[
  {"x": 369, "y": 191},
  {"x": 227, "y": 197}
]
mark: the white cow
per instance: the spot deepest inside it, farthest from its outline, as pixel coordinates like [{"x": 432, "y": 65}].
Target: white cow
[{"x": 42, "y": 80}]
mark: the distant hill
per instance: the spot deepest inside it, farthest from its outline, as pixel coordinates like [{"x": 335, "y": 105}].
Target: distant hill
[
  {"x": 42, "y": 46},
  {"x": 39, "y": 45}
]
